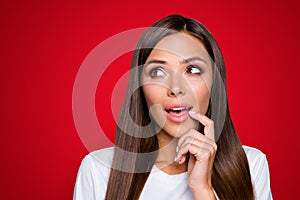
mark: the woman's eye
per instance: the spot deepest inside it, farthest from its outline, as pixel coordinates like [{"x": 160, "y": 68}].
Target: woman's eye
[
  {"x": 157, "y": 73},
  {"x": 193, "y": 69}
]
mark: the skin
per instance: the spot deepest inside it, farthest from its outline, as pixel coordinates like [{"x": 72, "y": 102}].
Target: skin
[{"x": 171, "y": 76}]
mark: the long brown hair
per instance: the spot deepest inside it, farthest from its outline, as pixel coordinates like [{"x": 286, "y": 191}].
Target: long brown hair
[{"x": 231, "y": 175}]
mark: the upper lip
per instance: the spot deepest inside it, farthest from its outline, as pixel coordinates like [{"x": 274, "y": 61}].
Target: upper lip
[{"x": 178, "y": 107}]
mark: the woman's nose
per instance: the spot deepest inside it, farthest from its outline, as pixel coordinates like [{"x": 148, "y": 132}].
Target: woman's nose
[{"x": 176, "y": 86}]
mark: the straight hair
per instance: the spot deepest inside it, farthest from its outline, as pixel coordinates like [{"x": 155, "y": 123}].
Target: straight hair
[{"x": 231, "y": 177}]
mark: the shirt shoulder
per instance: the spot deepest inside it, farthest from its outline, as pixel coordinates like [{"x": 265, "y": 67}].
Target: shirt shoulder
[
  {"x": 102, "y": 156},
  {"x": 259, "y": 170},
  {"x": 93, "y": 174},
  {"x": 253, "y": 154}
]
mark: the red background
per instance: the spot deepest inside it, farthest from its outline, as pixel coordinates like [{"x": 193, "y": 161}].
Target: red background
[{"x": 44, "y": 43}]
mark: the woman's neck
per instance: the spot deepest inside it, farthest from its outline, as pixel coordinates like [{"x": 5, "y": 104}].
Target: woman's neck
[{"x": 166, "y": 155}]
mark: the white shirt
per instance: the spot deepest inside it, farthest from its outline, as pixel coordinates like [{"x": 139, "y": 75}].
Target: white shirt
[{"x": 93, "y": 175}]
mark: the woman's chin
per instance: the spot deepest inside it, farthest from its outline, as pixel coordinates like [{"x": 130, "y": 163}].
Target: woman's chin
[{"x": 177, "y": 130}]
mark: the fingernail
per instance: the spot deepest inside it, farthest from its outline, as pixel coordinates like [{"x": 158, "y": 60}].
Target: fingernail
[
  {"x": 192, "y": 112},
  {"x": 177, "y": 158},
  {"x": 176, "y": 149}
]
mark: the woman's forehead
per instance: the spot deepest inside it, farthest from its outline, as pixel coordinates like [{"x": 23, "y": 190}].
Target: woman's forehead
[{"x": 182, "y": 45}]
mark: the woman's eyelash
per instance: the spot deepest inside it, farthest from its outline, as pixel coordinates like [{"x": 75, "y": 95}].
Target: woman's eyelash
[
  {"x": 194, "y": 69},
  {"x": 157, "y": 72}
]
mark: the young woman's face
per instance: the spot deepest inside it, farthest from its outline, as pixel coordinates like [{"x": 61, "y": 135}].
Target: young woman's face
[{"x": 177, "y": 78}]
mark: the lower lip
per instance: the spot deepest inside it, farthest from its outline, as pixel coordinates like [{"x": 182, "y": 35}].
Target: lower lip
[{"x": 178, "y": 117}]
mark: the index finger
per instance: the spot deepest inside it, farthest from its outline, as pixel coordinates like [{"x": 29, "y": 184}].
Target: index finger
[{"x": 208, "y": 124}]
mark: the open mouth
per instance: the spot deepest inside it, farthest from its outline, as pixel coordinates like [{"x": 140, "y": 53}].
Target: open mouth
[
  {"x": 178, "y": 112},
  {"x": 178, "y": 109}
]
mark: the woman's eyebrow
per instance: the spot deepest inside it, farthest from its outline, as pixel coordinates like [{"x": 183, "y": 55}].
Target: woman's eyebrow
[
  {"x": 188, "y": 60},
  {"x": 155, "y": 62},
  {"x": 184, "y": 61}
]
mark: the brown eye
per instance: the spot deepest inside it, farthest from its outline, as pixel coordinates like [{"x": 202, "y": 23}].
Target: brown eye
[
  {"x": 193, "y": 69},
  {"x": 157, "y": 73}
]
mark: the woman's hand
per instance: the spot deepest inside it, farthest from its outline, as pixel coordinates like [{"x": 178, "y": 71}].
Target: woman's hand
[{"x": 202, "y": 150}]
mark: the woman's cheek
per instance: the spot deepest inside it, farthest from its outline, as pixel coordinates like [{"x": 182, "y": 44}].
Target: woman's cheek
[
  {"x": 202, "y": 96},
  {"x": 158, "y": 114},
  {"x": 153, "y": 95},
  {"x": 204, "y": 104}
]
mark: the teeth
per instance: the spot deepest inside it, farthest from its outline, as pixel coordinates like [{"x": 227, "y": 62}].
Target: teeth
[{"x": 178, "y": 109}]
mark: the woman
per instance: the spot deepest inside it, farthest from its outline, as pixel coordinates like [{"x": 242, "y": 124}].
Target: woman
[{"x": 175, "y": 138}]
